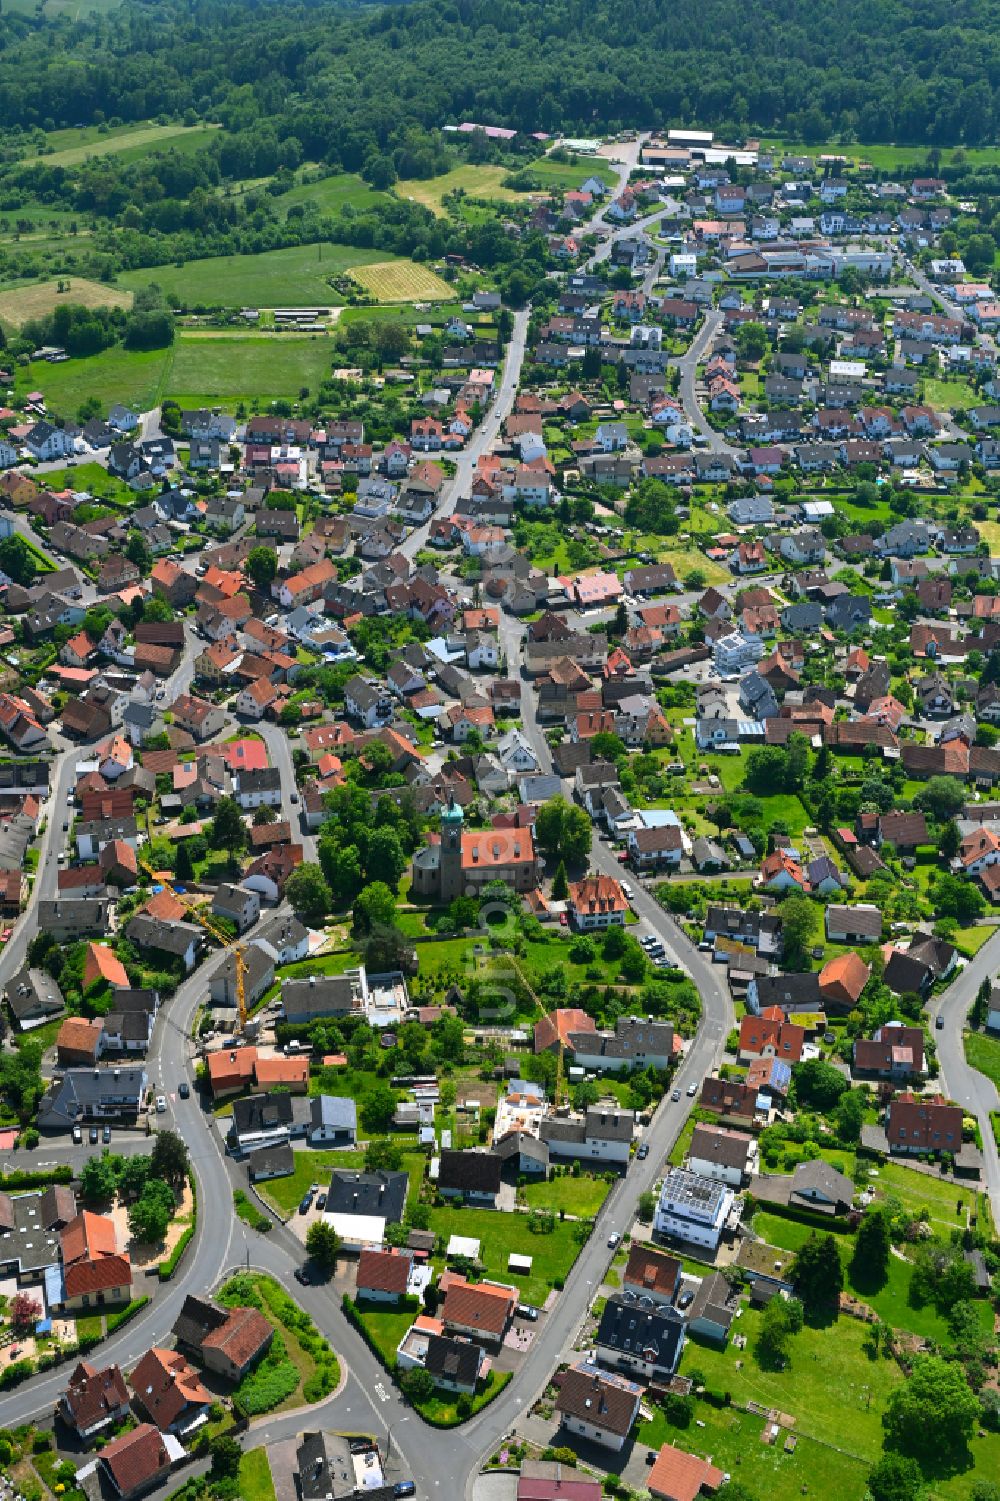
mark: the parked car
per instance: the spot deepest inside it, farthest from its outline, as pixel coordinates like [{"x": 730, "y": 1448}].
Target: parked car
[
  {"x": 692, "y": 1091},
  {"x": 161, "y": 1104},
  {"x": 939, "y": 1023},
  {"x": 301, "y": 1273},
  {"x": 643, "y": 1151},
  {"x": 527, "y": 1311},
  {"x": 77, "y": 1135},
  {"x": 183, "y": 1089},
  {"x": 404, "y": 1488},
  {"x": 93, "y": 1135},
  {"x": 306, "y": 1204},
  {"x": 106, "y": 1135},
  {"x": 613, "y": 1239},
  {"x": 321, "y": 1201}
]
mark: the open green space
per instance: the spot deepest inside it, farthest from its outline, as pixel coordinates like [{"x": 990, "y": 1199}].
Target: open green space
[
  {"x": 386, "y": 1324},
  {"x": 947, "y": 1203},
  {"x": 475, "y": 181},
  {"x": 829, "y": 1385},
  {"x": 500, "y": 1235},
  {"x": 244, "y": 368},
  {"x": 581, "y": 1197},
  {"x": 733, "y": 1439},
  {"x": 196, "y": 370},
  {"x": 983, "y": 1053},
  {"x": 117, "y": 374},
  {"x": 297, "y": 1344},
  {"x": 572, "y": 174},
  {"x": 330, "y": 194},
  {"x": 885, "y": 157},
  {"x": 296, "y": 277},
  {"x": 255, "y": 1482},
  {"x": 73, "y": 146}
]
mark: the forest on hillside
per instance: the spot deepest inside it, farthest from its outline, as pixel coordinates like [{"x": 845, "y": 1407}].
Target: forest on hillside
[{"x": 343, "y": 83}]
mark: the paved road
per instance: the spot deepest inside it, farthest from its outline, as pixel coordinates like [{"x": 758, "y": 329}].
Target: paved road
[
  {"x": 966, "y": 1085},
  {"x": 688, "y": 367},
  {"x": 482, "y": 439},
  {"x": 279, "y": 754}
]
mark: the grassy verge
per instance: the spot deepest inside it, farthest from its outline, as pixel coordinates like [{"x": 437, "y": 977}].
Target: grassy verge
[
  {"x": 124, "y": 1315},
  {"x": 581, "y": 1197},
  {"x": 255, "y": 1482},
  {"x": 169, "y": 1266},
  {"x": 301, "y": 1366},
  {"x": 501, "y": 1235},
  {"x": 983, "y": 1054},
  {"x": 249, "y": 1213}
]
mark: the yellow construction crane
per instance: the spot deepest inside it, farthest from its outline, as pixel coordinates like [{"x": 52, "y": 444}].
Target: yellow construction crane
[{"x": 217, "y": 934}]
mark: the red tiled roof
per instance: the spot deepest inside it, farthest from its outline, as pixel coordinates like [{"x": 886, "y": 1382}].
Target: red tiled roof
[{"x": 383, "y": 1271}]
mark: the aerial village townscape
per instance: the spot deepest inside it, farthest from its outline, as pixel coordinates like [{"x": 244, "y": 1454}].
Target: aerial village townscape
[{"x": 500, "y": 843}]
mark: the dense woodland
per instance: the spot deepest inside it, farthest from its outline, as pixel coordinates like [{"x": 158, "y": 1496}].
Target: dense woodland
[{"x": 341, "y": 83}]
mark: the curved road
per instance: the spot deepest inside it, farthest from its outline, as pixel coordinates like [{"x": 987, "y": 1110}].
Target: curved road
[{"x": 962, "y": 1083}]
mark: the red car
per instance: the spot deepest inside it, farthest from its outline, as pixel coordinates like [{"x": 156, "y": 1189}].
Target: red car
[{"x": 563, "y": 920}]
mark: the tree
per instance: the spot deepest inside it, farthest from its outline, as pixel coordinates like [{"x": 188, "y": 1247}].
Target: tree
[
  {"x": 417, "y": 1385},
  {"x": 323, "y": 1244},
  {"x": 183, "y": 863},
  {"x": 97, "y": 1180},
  {"x": 170, "y": 1158},
  {"x": 798, "y": 924},
  {"x": 949, "y": 840},
  {"x": 378, "y": 1108},
  {"x": 382, "y": 1155},
  {"x": 577, "y": 836},
  {"x": 959, "y": 899},
  {"x": 308, "y": 893},
  {"x": 849, "y": 1116},
  {"x": 374, "y": 907},
  {"x": 818, "y": 1084},
  {"x": 262, "y": 566},
  {"x": 751, "y": 341},
  {"x": 138, "y": 553},
  {"x": 152, "y": 1212},
  {"x": 560, "y": 883},
  {"x": 647, "y": 1207},
  {"x": 895, "y": 1478},
  {"x": 942, "y": 797},
  {"x": 933, "y": 1412},
  {"x": 25, "y": 1312},
  {"x": 780, "y": 1320},
  {"x": 17, "y": 560},
  {"x": 817, "y": 1273},
  {"x": 132, "y": 1174},
  {"x": 226, "y": 1455},
  {"x": 385, "y": 860},
  {"x": 563, "y": 830},
  {"x": 228, "y": 831}
]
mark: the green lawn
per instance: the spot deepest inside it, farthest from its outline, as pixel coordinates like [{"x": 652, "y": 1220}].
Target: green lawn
[
  {"x": 970, "y": 940},
  {"x": 202, "y": 371},
  {"x": 255, "y": 1482},
  {"x": 947, "y": 395},
  {"x": 732, "y": 1439},
  {"x": 918, "y": 1191},
  {"x": 330, "y": 194},
  {"x": 443, "y": 1407},
  {"x": 386, "y": 1325},
  {"x": 581, "y": 1196},
  {"x": 835, "y": 1393},
  {"x": 197, "y": 369},
  {"x": 116, "y": 374},
  {"x": 74, "y": 145},
  {"x": 295, "y": 277},
  {"x": 500, "y": 1234},
  {"x": 983, "y": 1053},
  {"x": 570, "y": 175}
]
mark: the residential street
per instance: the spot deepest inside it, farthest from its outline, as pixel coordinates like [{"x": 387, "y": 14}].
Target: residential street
[{"x": 966, "y": 1085}]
